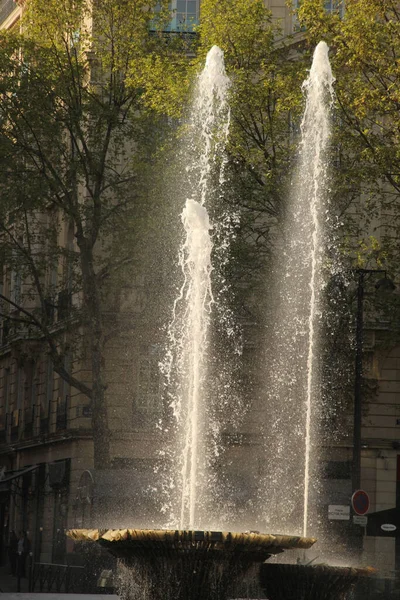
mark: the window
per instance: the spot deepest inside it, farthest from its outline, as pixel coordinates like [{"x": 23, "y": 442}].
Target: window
[
  {"x": 47, "y": 397},
  {"x": 148, "y": 402},
  {"x": 68, "y": 366},
  {"x": 334, "y": 6},
  {"x": 331, "y": 6},
  {"x": 20, "y": 385},
  {"x": 30, "y": 397},
  {"x": 16, "y": 284},
  {"x": 64, "y": 304},
  {"x": 185, "y": 15},
  {"x": 49, "y": 386},
  {"x": 6, "y": 388},
  {"x": 6, "y": 8},
  {"x": 334, "y": 469}
]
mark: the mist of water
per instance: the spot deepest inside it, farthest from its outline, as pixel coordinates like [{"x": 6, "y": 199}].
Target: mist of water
[{"x": 293, "y": 379}]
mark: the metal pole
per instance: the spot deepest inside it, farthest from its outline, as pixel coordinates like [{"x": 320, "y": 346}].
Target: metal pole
[
  {"x": 356, "y": 474},
  {"x": 19, "y": 570}
]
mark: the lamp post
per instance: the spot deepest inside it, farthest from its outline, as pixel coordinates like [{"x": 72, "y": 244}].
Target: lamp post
[
  {"x": 356, "y": 471},
  {"x": 384, "y": 284}
]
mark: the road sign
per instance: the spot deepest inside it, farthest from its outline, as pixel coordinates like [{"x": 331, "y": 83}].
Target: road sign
[
  {"x": 388, "y": 527},
  {"x": 338, "y": 512},
  {"x": 385, "y": 523},
  {"x": 360, "y": 520},
  {"x": 360, "y": 502}
]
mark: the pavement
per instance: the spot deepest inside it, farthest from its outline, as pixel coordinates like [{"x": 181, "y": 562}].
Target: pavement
[
  {"x": 9, "y": 583},
  {"x": 51, "y": 596},
  {"x": 9, "y": 590}
]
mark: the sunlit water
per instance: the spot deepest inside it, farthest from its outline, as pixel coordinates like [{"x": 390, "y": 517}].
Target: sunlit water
[
  {"x": 292, "y": 388},
  {"x": 315, "y": 129},
  {"x": 189, "y": 481}
]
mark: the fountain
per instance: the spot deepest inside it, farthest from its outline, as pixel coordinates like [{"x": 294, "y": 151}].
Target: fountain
[
  {"x": 189, "y": 565},
  {"x": 186, "y": 561}
]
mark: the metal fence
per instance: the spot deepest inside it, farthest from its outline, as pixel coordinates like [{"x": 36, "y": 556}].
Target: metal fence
[
  {"x": 375, "y": 588},
  {"x": 49, "y": 577}
]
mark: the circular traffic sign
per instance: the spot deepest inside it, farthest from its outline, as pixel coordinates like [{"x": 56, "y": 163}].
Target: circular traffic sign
[{"x": 360, "y": 502}]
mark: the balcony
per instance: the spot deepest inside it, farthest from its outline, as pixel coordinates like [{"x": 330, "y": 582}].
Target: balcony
[
  {"x": 6, "y": 8},
  {"x": 38, "y": 422}
]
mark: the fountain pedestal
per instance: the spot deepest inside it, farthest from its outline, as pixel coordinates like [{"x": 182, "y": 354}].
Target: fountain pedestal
[{"x": 188, "y": 565}]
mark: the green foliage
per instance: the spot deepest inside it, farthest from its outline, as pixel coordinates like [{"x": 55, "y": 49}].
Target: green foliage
[
  {"x": 365, "y": 58},
  {"x": 71, "y": 139},
  {"x": 266, "y": 103},
  {"x": 243, "y": 30}
]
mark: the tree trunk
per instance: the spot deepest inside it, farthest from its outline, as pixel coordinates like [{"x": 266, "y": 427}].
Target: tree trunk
[{"x": 94, "y": 326}]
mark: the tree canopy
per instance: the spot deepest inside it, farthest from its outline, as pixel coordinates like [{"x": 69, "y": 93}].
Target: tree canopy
[
  {"x": 365, "y": 56},
  {"x": 71, "y": 133}
]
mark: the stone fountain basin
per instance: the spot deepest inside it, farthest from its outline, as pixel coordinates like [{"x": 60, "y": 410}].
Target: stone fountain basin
[
  {"x": 124, "y": 543},
  {"x": 186, "y": 564}
]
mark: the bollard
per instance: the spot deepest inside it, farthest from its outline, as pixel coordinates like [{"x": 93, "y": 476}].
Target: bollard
[
  {"x": 19, "y": 568},
  {"x": 30, "y": 572}
]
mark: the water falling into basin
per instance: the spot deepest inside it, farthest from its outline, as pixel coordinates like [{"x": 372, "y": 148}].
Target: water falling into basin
[
  {"x": 185, "y": 365},
  {"x": 293, "y": 380}
]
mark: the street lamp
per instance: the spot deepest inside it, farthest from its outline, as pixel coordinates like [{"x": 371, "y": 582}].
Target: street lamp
[{"x": 387, "y": 285}]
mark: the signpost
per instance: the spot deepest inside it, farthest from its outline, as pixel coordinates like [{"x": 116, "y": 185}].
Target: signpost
[
  {"x": 360, "y": 520},
  {"x": 384, "y": 523},
  {"x": 360, "y": 502},
  {"x": 388, "y": 527},
  {"x": 338, "y": 512}
]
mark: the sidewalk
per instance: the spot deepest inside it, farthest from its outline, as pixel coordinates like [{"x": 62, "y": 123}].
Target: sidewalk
[{"x": 8, "y": 583}]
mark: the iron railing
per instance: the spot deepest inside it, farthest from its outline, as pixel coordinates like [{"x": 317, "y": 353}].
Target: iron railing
[
  {"x": 49, "y": 577},
  {"x": 37, "y": 420}
]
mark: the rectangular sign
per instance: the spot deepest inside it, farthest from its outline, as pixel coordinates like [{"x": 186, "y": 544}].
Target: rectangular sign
[
  {"x": 338, "y": 512},
  {"x": 360, "y": 520}
]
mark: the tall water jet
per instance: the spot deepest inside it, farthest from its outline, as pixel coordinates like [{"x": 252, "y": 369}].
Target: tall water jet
[
  {"x": 210, "y": 124},
  {"x": 196, "y": 265},
  {"x": 315, "y": 129},
  {"x": 293, "y": 380},
  {"x": 185, "y": 366}
]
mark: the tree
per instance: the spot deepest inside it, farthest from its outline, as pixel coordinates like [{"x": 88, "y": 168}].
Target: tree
[
  {"x": 70, "y": 132},
  {"x": 266, "y": 104},
  {"x": 365, "y": 55}
]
